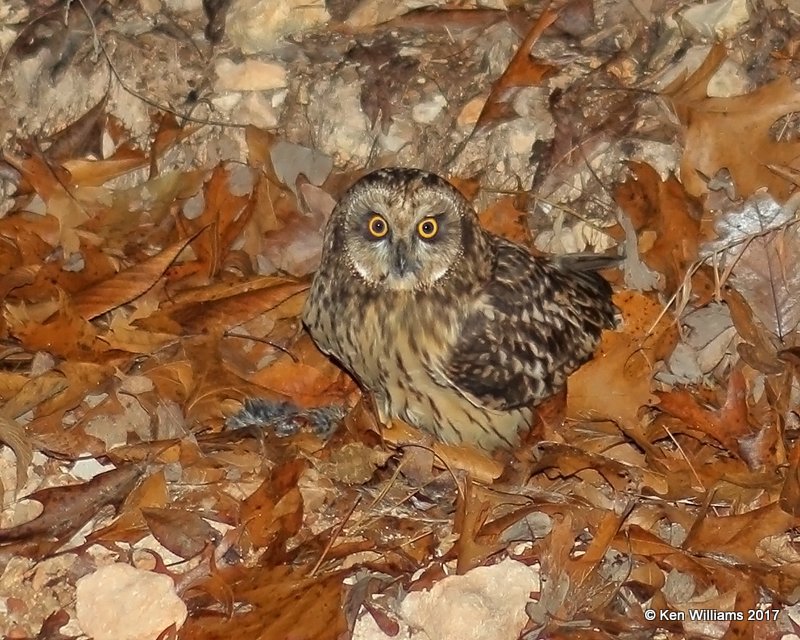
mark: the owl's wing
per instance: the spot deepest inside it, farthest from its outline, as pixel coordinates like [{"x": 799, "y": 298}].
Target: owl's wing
[{"x": 536, "y": 321}]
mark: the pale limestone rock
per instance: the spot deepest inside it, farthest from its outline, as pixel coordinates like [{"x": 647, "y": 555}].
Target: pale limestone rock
[
  {"x": 721, "y": 19},
  {"x": 259, "y": 25},
  {"x": 119, "y": 602},
  {"x": 250, "y": 75},
  {"x": 426, "y": 112},
  {"x": 256, "y": 109},
  {"x": 184, "y": 6},
  {"x": 487, "y": 603},
  {"x": 343, "y": 132},
  {"x": 371, "y": 12}
]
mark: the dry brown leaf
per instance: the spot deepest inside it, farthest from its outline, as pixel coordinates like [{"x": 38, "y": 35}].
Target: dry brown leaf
[
  {"x": 183, "y": 532},
  {"x": 790, "y": 493},
  {"x": 215, "y": 310},
  {"x": 65, "y": 334},
  {"x": 283, "y": 602},
  {"x": 305, "y": 384},
  {"x": 740, "y": 536},
  {"x": 616, "y": 384},
  {"x": 505, "y": 219},
  {"x": 473, "y": 509},
  {"x": 66, "y": 509},
  {"x": 82, "y": 137},
  {"x": 130, "y": 525},
  {"x": 93, "y": 173},
  {"x": 168, "y": 134},
  {"x": 665, "y": 219},
  {"x": 39, "y": 175},
  {"x": 735, "y": 133},
  {"x": 480, "y": 466},
  {"x": 729, "y": 426},
  {"x": 273, "y": 512},
  {"x": 522, "y": 71},
  {"x": 354, "y": 463},
  {"x": 129, "y": 284},
  {"x": 757, "y": 348},
  {"x": 36, "y": 390},
  {"x": 225, "y": 215}
]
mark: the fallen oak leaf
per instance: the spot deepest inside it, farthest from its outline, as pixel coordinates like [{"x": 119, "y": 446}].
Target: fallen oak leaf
[
  {"x": 473, "y": 508},
  {"x": 505, "y": 219},
  {"x": 274, "y": 511},
  {"x": 185, "y": 533},
  {"x": 480, "y": 466},
  {"x": 64, "y": 334},
  {"x": 218, "y": 309},
  {"x": 665, "y": 219},
  {"x": 757, "y": 348},
  {"x": 739, "y": 536},
  {"x": 82, "y": 137},
  {"x": 224, "y": 215},
  {"x": 616, "y": 384},
  {"x": 129, "y": 284},
  {"x": 570, "y": 461},
  {"x": 283, "y": 602},
  {"x": 38, "y": 174},
  {"x": 729, "y": 426},
  {"x": 95, "y": 173},
  {"x": 130, "y": 524},
  {"x": 170, "y": 132},
  {"x": 789, "y": 500},
  {"x": 735, "y": 133}
]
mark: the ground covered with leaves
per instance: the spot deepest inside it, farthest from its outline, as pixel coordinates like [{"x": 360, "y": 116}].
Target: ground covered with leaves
[{"x": 163, "y": 203}]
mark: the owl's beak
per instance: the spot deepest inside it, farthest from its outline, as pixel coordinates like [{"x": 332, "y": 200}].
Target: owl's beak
[{"x": 401, "y": 262}]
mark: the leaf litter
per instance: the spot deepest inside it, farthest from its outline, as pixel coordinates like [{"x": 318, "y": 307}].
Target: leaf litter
[{"x": 145, "y": 306}]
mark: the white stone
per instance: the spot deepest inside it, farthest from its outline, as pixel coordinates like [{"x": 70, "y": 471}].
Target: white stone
[
  {"x": 120, "y": 602},
  {"x": 400, "y": 134},
  {"x": 226, "y": 101},
  {"x": 259, "y": 25},
  {"x": 486, "y": 603},
  {"x": 721, "y": 19},
  {"x": 427, "y": 112},
  {"x": 343, "y": 132},
  {"x": 250, "y": 75},
  {"x": 184, "y": 6},
  {"x": 257, "y": 110},
  {"x": 371, "y": 12}
]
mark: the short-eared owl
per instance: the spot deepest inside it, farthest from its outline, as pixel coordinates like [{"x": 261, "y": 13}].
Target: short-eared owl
[{"x": 453, "y": 329}]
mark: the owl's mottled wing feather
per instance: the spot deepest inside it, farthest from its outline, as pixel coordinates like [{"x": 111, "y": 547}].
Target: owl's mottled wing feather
[{"x": 535, "y": 322}]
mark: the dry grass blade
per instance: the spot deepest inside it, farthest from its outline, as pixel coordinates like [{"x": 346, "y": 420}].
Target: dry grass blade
[{"x": 15, "y": 437}]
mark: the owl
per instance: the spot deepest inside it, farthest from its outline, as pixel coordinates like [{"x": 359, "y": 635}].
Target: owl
[{"x": 455, "y": 330}]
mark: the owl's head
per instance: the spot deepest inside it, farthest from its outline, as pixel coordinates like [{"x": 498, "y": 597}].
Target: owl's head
[{"x": 403, "y": 229}]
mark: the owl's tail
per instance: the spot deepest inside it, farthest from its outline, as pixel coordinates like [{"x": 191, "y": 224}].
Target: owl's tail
[{"x": 588, "y": 261}]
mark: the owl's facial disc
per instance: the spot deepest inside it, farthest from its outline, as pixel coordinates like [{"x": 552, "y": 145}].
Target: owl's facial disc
[{"x": 402, "y": 231}]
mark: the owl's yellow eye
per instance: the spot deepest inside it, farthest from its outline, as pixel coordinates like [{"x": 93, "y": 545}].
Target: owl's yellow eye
[
  {"x": 377, "y": 226},
  {"x": 428, "y": 228}
]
